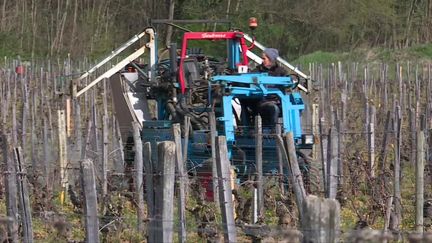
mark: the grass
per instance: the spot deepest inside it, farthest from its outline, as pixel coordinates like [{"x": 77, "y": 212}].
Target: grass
[
  {"x": 9, "y": 45},
  {"x": 423, "y": 51},
  {"x": 370, "y": 55},
  {"x": 319, "y": 57}
]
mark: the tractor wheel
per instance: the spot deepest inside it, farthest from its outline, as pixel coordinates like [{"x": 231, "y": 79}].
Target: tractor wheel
[{"x": 312, "y": 174}]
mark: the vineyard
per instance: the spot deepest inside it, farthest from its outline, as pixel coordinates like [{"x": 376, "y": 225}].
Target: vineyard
[{"x": 67, "y": 175}]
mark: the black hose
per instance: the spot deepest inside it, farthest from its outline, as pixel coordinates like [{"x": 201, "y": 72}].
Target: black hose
[
  {"x": 176, "y": 109},
  {"x": 193, "y": 120},
  {"x": 170, "y": 106}
]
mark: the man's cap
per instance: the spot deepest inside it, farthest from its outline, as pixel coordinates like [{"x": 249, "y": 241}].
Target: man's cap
[{"x": 271, "y": 53}]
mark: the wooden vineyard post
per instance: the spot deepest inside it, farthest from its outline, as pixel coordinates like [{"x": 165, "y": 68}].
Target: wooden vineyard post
[
  {"x": 259, "y": 165},
  {"x": 87, "y": 140},
  {"x": 280, "y": 158},
  {"x": 324, "y": 145},
  {"x": 5, "y": 102},
  {"x": 186, "y": 138},
  {"x": 383, "y": 153},
  {"x": 182, "y": 177},
  {"x": 62, "y": 153},
  {"x": 293, "y": 173},
  {"x": 428, "y": 100},
  {"x": 397, "y": 198},
  {"x": 366, "y": 98},
  {"x": 25, "y": 108},
  {"x": 297, "y": 180},
  {"x": 14, "y": 119},
  {"x": 225, "y": 192},
  {"x": 77, "y": 127},
  {"x": 105, "y": 142},
  {"x": 68, "y": 117},
  {"x": 212, "y": 121},
  {"x": 428, "y": 124},
  {"x": 315, "y": 131},
  {"x": 388, "y": 215},
  {"x": 399, "y": 73},
  {"x": 420, "y": 180},
  {"x": 139, "y": 189},
  {"x": 47, "y": 155},
  {"x": 150, "y": 195},
  {"x": 413, "y": 134},
  {"x": 104, "y": 159},
  {"x": 24, "y": 200},
  {"x": 385, "y": 95},
  {"x": 332, "y": 164},
  {"x": 33, "y": 138},
  {"x": 164, "y": 198},
  {"x": 95, "y": 123},
  {"x": 11, "y": 190},
  {"x": 90, "y": 201},
  {"x": 371, "y": 141},
  {"x": 339, "y": 151},
  {"x": 321, "y": 220}
]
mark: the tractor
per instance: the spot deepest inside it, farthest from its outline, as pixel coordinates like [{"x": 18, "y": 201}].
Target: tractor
[{"x": 193, "y": 86}]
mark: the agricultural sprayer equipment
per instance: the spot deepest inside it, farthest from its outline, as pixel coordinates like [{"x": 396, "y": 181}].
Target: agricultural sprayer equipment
[{"x": 194, "y": 85}]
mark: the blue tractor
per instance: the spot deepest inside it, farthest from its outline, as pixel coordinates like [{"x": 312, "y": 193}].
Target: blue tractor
[{"x": 192, "y": 85}]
